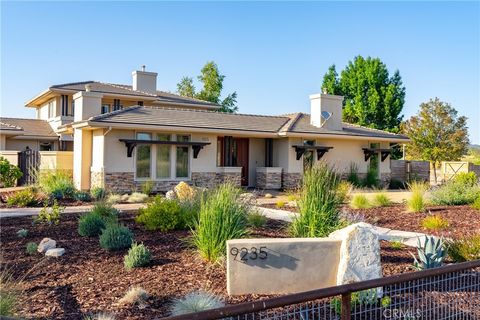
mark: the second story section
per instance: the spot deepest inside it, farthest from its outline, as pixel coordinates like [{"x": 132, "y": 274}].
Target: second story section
[{"x": 57, "y": 104}]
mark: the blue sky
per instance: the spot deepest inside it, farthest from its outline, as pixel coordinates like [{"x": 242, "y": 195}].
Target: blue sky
[{"x": 274, "y": 54}]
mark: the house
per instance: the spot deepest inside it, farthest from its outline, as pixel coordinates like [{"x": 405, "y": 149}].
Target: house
[{"x": 124, "y": 135}]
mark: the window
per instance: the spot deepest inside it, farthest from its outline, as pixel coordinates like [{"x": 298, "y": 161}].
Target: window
[
  {"x": 308, "y": 156},
  {"x": 182, "y": 158},
  {"x": 73, "y": 108},
  {"x": 143, "y": 156},
  {"x": 105, "y": 108},
  {"x": 162, "y": 161},
  {"x": 140, "y": 103},
  {"x": 46, "y": 146},
  {"x": 64, "y": 104},
  {"x": 163, "y": 157},
  {"x": 117, "y": 105},
  {"x": 374, "y": 164},
  {"x": 51, "y": 109}
]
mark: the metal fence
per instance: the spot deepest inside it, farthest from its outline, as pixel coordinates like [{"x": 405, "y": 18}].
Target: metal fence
[{"x": 449, "y": 292}]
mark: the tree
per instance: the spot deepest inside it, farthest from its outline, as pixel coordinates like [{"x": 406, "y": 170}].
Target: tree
[
  {"x": 437, "y": 133},
  {"x": 372, "y": 98},
  {"x": 212, "y": 82}
]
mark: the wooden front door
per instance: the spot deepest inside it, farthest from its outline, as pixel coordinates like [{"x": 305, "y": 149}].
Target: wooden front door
[{"x": 241, "y": 155}]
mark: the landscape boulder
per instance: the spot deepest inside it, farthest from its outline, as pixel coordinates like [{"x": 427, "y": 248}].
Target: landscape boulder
[
  {"x": 55, "y": 252},
  {"x": 359, "y": 253},
  {"x": 171, "y": 195},
  {"x": 46, "y": 244}
]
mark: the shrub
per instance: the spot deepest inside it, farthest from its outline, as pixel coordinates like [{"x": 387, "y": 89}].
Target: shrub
[
  {"x": 435, "y": 223},
  {"x": 371, "y": 180},
  {"x": 160, "y": 214},
  {"x": 106, "y": 211},
  {"x": 82, "y": 196},
  {"x": 138, "y": 256},
  {"x": 57, "y": 184},
  {"x": 256, "y": 219},
  {"x": 147, "y": 187},
  {"x": 189, "y": 212},
  {"x": 22, "y": 233},
  {"x": 113, "y": 198},
  {"x": 9, "y": 173},
  {"x": 137, "y": 197},
  {"x": 116, "y": 237},
  {"x": 195, "y": 302},
  {"x": 9, "y": 294},
  {"x": 353, "y": 175},
  {"x": 223, "y": 216},
  {"x": 381, "y": 200},
  {"x": 430, "y": 254},
  {"x": 466, "y": 178},
  {"x": 456, "y": 193},
  {"x": 31, "y": 248},
  {"x": 397, "y": 245},
  {"x": 347, "y": 217},
  {"x": 90, "y": 225},
  {"x": 416, "y": 203},
  {"x": 50, "y": 215},
  {"x": 476, "y": 203},
  {"x": 280, "y": 204},
  {"x": 344, "y": 190},
  {"x": 319, "y": 203},
  {"x": 464, "y": 249},
  {"x": 134, "y": 295},
  {"x": 23, "y": 198},
  {"x": 97, "y": 193},
  {"x": 359, "y": 201}
]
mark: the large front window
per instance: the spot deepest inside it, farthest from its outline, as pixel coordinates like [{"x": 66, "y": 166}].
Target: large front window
[{"x": 162, "y": 161}]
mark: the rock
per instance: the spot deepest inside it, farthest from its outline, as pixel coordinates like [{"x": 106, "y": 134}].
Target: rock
[
  {"x": 46, "y": 244},
  {"x": 171, "y": 195},
  {"x": 359, "y": 253},
  {"x": 268, "y": 195},
  {"x": 56, "y": 252},
  {"x": 184, "y": 191}
]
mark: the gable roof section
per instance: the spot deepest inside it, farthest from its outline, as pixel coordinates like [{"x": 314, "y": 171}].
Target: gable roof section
[
  {"x": 297, "y": 123},
  {"x": 302, "y": 125},
  {"x": 193, "y": 119},
  {"x": 29, "y": 127},
  {"x": 122, "y": 89}
]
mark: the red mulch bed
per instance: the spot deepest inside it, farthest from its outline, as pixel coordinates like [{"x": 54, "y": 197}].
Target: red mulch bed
[
  {"x": 88, "y": 279},
  {"x": 463, "y": 220}
]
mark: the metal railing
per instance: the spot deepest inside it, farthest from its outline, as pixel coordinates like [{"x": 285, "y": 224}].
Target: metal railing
[{"x": 448, "y": 292}]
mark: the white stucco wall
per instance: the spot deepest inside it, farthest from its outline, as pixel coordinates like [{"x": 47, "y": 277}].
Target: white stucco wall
[
  {"x": 115, "y": 154},
  {"x": 207, "y": 158}
]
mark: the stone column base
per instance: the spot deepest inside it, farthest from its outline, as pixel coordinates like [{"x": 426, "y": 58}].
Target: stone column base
[
  {"x": 269, "y": 178},
  {"x": 291, "y": 181}
]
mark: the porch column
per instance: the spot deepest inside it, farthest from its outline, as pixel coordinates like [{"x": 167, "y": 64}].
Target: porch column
[{"x": 82, "y": 158}]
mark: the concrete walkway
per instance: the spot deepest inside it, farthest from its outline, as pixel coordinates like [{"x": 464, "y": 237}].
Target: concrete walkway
[
  {"x": 406, "y": 237},
  {"x": 21, "y": 212}
]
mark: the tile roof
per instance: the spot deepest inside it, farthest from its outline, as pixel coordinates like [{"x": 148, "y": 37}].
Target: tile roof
[
  {"x": 193, "y": 119},
  {"x": 292, "y": 123},
  {"x": 123, "y": 89},
  {"x": 30, "y": 127}
]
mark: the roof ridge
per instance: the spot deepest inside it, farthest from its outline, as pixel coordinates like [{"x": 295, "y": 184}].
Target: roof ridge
[
  {"x": 120, "y": 86},
  {"x": 192, "y": 98},
  {"x": 293, "y": 118},
  {"x": 213, "y": 111},
  {"x": 72, "y": 83},
  {"x": 15, "y": 118},
  {"x": 368, "y": 128},
  {"x": 104, "y": 115}
]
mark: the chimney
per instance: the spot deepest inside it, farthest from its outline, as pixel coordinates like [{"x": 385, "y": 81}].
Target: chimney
[
  {"x": 144, "y": 81},
  {"x": 326, "y": 111}
]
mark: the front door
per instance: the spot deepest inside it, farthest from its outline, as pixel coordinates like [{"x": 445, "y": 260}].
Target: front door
[
  {"x": 241, "y": 156},
  {"x": 233, "y": 152}
]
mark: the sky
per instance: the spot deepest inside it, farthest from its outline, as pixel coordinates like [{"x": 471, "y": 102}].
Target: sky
[{"x": 273, "y": 54}]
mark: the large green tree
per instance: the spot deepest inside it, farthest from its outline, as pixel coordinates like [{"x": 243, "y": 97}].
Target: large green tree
[
  {"x": 373, "y": 98},
  {"x": 437, "y": 133},
  {"x": 211, "y": 91}
]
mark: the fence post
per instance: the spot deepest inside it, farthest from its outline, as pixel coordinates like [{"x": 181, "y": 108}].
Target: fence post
[{"x": 346, "y": 306}]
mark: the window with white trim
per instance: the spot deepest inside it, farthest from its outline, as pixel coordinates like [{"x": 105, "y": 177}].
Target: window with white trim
[
  {"x": 105, "y": 108},
  {"x": 162, "y": 161}
]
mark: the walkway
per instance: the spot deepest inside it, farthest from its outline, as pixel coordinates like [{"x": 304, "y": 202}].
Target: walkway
[
  {"x": 406, "y": 237},
  {"x": 21, "y": 212}
]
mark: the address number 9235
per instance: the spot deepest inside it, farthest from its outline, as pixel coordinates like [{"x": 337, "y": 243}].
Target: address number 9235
[{"x": 245, "y": 254}]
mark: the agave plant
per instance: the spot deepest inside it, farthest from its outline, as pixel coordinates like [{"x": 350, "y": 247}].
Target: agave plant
[{"x": 430, "y": 254}]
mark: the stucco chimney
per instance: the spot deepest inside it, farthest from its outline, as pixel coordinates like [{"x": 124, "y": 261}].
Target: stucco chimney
[
  {"x": 144, "y": 81},
  {"x": 326, "y": 111}
]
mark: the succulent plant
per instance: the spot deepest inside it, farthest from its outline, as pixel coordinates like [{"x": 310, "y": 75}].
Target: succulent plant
[{"x": 430, "y": 254}]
